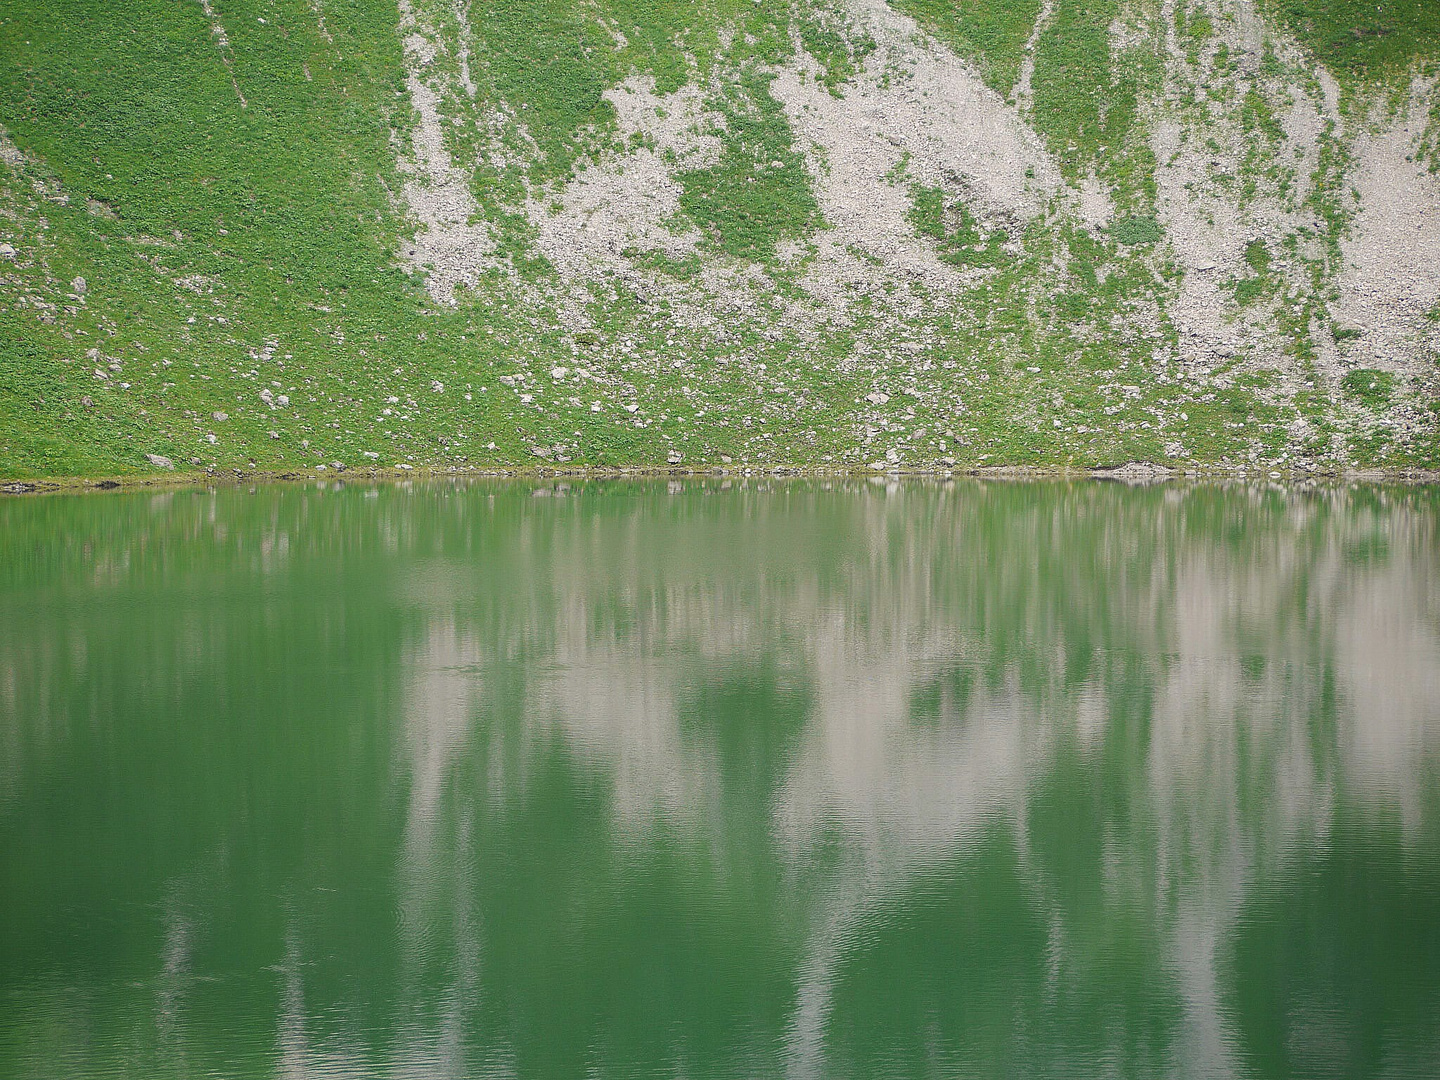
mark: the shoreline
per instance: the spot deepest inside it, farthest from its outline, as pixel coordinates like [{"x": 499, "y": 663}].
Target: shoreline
[{"x": 1131, "y": 473}]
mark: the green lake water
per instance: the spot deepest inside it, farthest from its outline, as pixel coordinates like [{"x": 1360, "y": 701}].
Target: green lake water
[{"x": 721, "y": 779}]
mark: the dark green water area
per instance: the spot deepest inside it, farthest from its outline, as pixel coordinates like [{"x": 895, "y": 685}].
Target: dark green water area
[{"x": 721, "y": 779}]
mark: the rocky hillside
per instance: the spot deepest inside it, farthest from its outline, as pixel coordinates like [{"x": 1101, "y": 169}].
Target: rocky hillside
[{"x": 845, "y": 234}]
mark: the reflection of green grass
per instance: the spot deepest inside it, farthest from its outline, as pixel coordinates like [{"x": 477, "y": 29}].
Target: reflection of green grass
[{"x": 1328, "y": 930}]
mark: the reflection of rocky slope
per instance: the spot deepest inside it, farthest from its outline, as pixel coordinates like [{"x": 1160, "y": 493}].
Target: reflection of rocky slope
[
  {"x": 892, "y": 622},
  {"x": 943, "y": 665},
  {"x": 952, "y": 676},
  {"x": 1167, "y": 695}
]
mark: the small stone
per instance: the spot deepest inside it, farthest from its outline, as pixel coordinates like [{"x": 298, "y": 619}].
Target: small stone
[
  {"x": 673, "y": 457},
  {"x": 160, "y": 461},
  {"x": 6, "y": 251},
  {"x": 87, "y": 401},
  {"x": 78, "y": 286},
  {"x": 210, "y": 438},
  {"x": 275, "y": 434},
  {"x": 877, "y": 398},
  {"x": 437, "y": 386},
  {"x": 221, "y": 416}
]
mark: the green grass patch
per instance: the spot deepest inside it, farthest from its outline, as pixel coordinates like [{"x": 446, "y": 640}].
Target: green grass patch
[
  {"x": 1250, "y": 290},
  {"x": 1364, "y": 39},
  {"x": 759, "y": 193},
  {"x": 1257, "y": 256},
  {"x": 1258, "y": 117},
  {"x": 955, "y": 230},
  {"x": 1194, "y": 28},
  {"x": 990, "y": 32},
  {"x": 1087, "y": 101},
  {"x": 1373, "y": 389},
  {"x": 1137, "y": 230},
  {"x": 840, "y": 54},
  {"x": 1072, "y": 307},
  {"x": 681, "y": 269},
  {"x": 551, "y": 61}
]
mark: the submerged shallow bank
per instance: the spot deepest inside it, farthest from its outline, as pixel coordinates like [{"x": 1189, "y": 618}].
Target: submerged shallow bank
[{"x": 1131, "y": 472}]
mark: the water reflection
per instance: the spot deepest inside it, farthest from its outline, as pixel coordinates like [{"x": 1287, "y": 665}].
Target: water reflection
[{"x": 724, "y": 780}]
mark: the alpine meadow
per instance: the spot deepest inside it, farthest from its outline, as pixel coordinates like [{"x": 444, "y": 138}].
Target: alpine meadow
[{"x": 281, "y": 236}]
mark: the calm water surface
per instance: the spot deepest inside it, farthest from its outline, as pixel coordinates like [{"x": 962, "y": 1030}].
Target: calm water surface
[{"x": 708, "y": 780}]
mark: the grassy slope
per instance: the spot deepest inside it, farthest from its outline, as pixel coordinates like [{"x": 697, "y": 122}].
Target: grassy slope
[
  {"x": 278, "y": 215},
  {"x": 1358, "y": 38},
  {"x": 279, "y": 207}
]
